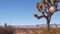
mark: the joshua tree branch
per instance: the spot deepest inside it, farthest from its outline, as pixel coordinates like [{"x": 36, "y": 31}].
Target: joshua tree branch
[
  {"x": 58, "y": 9},
  {"x": 39, "y": 17}
]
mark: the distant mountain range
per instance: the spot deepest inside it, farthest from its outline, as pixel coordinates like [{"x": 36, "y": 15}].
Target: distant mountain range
[
  {"x": 34, "y": 26},
  {"x": 37, "y": 26}
]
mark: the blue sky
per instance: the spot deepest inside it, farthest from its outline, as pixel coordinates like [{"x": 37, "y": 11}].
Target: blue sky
[{"x": 20, "y": 12}]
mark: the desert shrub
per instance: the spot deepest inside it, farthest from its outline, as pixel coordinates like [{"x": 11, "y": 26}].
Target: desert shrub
[{"x": 6, "y": 30}]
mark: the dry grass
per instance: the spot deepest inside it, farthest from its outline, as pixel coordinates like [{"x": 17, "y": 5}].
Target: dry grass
[
  {"x": 42, "y": 30},
  {"x": 46, "y": 31}
]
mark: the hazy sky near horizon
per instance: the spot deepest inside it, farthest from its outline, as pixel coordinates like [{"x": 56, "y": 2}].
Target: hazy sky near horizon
[{"x": 20, "y": 12}]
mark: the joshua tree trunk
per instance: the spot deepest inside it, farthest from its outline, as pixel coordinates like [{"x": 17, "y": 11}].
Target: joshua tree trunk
[
  {"x": 48, "y": 18},
  {"x": 48, "y": 23}
]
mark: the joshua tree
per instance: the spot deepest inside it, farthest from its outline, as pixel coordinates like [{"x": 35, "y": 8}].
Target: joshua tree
[
  {"x": 47, "y": 8},
  {"x": 5, "y": 24}
]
